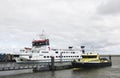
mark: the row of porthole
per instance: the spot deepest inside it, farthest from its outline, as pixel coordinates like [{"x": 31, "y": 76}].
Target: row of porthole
[
  {"x": 66, "y": 52},
  {"x": 59, "y": 56},
  {"x": 32, "y": 51}
]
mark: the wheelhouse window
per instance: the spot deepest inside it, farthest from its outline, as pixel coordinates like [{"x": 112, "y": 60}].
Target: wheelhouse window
[{"x": 38, "y": 43}]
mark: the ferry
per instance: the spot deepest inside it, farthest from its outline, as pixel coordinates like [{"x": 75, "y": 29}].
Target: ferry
[
  {"x": 42, "y": 52},
  {"x": 91, "y": 60}
]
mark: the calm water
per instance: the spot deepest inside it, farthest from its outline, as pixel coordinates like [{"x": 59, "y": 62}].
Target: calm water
[{"x": 107, "y": 72}]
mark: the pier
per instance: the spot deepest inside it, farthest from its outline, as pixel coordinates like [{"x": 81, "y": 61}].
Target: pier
[
  {"x": 39, "y": 67},
  {"x": 19, "y": 67},
  {"x": 57, "y": 66}
]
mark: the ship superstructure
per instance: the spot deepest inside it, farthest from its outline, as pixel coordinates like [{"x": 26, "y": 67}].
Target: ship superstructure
[{"x": 41, "y": 52}]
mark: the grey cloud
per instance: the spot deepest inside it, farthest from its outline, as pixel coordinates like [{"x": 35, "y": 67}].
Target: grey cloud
[
  {"x": 66, "y": 22},
  {"x": 109, "y": 7}
]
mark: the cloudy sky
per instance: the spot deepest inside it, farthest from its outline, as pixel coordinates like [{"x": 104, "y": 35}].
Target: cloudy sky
[{"x": 93, "y": 23}]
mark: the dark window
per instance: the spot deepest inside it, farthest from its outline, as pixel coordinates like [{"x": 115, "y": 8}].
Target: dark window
[
  {"x": 38, "y": 43},
  {"x": 89, "y": 56},
  {"x": 44, "y": 56},
  {"x": 30, "y": 56},
  {"x": 44, "y": 51},
  {"x": 56, "y": 52}
]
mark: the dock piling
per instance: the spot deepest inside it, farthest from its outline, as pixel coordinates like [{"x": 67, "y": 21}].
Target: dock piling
[{"x": 52, "y": 63}]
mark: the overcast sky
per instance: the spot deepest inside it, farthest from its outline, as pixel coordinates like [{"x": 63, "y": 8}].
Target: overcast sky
[{"x": 93, "y": 23}]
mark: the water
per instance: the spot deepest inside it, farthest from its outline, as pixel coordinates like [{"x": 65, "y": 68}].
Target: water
[{"x": 107, "y": 72}]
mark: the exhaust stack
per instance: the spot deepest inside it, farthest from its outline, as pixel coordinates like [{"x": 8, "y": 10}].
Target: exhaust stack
[{"x": 83, "y": 51}]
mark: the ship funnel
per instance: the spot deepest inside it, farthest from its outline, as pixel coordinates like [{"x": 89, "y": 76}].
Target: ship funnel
[{"x": 82, "y": 47}]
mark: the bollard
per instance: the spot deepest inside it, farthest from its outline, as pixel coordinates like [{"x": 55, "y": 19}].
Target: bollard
[
  {"x": 110, "y": 58},
  {"x": 52, "y": 63}
]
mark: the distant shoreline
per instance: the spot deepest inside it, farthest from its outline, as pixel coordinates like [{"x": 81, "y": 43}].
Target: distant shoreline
[{"x": 111, "y": 55}]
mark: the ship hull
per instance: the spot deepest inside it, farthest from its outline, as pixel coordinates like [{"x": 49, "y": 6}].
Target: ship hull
[
  {"x": 42, "y": 61},
  {"x": 90, "y": 65}
]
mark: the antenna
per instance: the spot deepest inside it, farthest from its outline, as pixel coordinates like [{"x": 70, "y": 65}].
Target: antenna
[
  {"x": 43, "y": 32},
  {"x": 42, "y": 35}
]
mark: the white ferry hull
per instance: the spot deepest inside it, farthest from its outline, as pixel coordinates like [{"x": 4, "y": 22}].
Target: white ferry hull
[{"x": 42, "y": 61}]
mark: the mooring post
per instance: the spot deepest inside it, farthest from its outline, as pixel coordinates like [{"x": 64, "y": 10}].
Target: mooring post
[
  {"x": 110, "y": 57},
  {"x": 52, "y": 63},
  {"x": 61, "y": 57}
]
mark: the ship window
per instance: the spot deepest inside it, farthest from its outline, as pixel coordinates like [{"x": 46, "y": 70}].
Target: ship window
[
  {"x": 40, "y": 43},
  {"x": 73, "y": 52},
  {"x": 89, "y": 56},
  {"x": 44, "y": 56},
  {"x": 32, "y": 51},
  {"x": 47, "y": 56},
  {"x": 44, "y": 51},
  {"x": 30, "y": 56},
  {"x": 22, "y": 50},
  {"x": 56, "y": 52}
]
